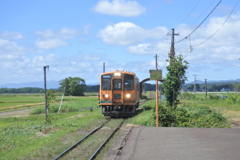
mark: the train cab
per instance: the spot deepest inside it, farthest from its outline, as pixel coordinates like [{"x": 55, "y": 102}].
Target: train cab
[{"x": 119, "y": 94}]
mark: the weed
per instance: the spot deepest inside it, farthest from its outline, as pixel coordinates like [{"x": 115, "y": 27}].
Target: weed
[{"x": 187, "y": 96}]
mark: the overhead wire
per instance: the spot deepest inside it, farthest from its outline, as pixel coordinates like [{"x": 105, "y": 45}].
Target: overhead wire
[
  {"x": 191, "y": 11},
  {"x": 217, "y": 29},
  {"x": 200, "y": 23},
  {"x": 220, "y": 26},
  {"x": 163, "y": 66},
  {"x": 203, "y": 12},
  {"x": 199, "y": 15}
]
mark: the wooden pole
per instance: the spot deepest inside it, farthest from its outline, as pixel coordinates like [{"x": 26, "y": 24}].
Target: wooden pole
[
  {"x": 157, "y": 103},
  {"x": 45, "y": 92},
  {"x": 156, "y": 95}
]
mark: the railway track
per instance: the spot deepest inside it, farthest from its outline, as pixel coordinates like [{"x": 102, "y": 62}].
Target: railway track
[{"x": 97, "y": 133}]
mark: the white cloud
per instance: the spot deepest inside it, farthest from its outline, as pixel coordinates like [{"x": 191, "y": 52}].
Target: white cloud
[
  {"x": 126, "y": 33},
  {"x": 50, "y": 40},
  {"x": 86, "y": 29},
  {"x": 140, "y": 48},
  {"x": 84, "y": 65},
  {"x": 10, "y": 47},
  {"x": 64, "y": 33},
  {"x": 119, "y": 8},
  {"x": 222, "y": 49},
  {"x": 11, "y": 35},
  {"x": 50, "y": 43},
  {"x": 161, "y": 48}
]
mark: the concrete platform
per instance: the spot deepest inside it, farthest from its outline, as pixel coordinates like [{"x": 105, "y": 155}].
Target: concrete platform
[{"x": 150, "y": 143}]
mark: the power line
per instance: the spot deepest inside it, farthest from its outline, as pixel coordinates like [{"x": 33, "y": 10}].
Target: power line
[
  {"x": 203, "y": 12},
  {"x": 199, "y": 15},
  {"x": 220, "y": 26},
  {"x": 190, "y": 12},
  {"x": 163, "y": 66},
  {"x": 201, "y": 22}
]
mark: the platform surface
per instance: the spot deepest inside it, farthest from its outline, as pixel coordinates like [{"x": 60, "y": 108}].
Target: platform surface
[{"x": 151, "y": 143}]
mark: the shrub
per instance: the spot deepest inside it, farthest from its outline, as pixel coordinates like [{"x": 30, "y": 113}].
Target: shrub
[
  {"x": 144, "y": 97},
  {"x": 213, "y": 96},
  {"x": 186, "y": 116},
  {"x": 233, "y": 99},
  {"x": 186, "y": 95}
]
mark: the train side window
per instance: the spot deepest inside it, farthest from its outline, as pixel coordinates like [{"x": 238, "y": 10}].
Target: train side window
[
  {"x": 106, "y": 82},
  {"x": 128, "y": 82},
  {"x": 117, "y": 84}
]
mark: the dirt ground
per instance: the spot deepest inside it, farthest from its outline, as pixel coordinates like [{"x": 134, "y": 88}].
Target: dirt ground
[{"x": 16, "y": 113}]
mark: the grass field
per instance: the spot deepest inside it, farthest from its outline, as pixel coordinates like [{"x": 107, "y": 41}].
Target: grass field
[
  {"x": 31, "y": 138},
  {"x": 228, "y": 107},
  {"x": 14, "y": 102}
]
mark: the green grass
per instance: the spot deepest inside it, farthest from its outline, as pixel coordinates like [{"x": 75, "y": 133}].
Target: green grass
[
  {"x": 146, "y": 118},
  {"x": 73, "y": 106},
  {"x": 229, "y": 107},
  {"x": 30, "y": 138},
  {"x": 13, "y": 102},
  {"x": 193, "y": 115}
]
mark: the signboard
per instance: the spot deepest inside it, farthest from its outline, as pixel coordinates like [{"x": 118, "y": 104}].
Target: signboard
[{"x": 155, "y": 74}]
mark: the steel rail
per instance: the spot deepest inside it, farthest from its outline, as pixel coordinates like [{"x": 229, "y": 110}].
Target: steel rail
[
  {"x": 70, "y": 148},
  {"x": 101, "y": 146}
]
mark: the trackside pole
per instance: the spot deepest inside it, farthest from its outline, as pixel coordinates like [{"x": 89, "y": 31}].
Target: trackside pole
[
  {"x": 61, "y": 100},
  {"x": 156, "y": 103},
  {"x": 45, "y": 91}
]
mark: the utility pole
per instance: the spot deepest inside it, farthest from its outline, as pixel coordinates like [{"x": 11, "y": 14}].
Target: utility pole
[
  {"x": 194, "y": 83},
  {"x": 103, "y": 67},
  {"x": 206, "y": 87},
  {"x": 172, "y": 53},
  {"x": 172, "y": 50},
  {"x": 45, "y": 91},
  {"x": 156, "y": 95}
]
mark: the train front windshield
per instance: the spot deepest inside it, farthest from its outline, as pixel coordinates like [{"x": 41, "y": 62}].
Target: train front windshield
[
  {"x": 106, "y": 82},
  {"x": 128, "y": 82}
]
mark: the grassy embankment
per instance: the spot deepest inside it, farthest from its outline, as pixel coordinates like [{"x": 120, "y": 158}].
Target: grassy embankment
[
  {"x": 31, "y": 138},
  {"x": 228, "y": 104},
  {"x": 195, "y": 111}
]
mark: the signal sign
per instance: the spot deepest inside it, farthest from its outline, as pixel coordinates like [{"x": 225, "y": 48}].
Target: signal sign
[{"x": 155, "y": 75}]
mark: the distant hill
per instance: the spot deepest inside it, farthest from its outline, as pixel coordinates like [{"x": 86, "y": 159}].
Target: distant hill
[
  {"x": 50, "y": 85},
  {"x": 55, "y": 84},
  {"x": 215, "y": 81}
]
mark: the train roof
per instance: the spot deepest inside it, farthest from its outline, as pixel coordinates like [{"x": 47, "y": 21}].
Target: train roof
[{"x": 122, "y": 72}]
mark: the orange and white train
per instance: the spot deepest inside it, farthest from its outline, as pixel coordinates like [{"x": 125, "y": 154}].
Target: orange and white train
[{"x": 119, "y": 94}]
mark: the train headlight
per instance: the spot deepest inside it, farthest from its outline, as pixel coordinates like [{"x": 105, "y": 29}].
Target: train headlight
[
  {"x": 105, "y": 95},
  {"x": 117, "y": 74},
  {"x": 128, "y": 95}
]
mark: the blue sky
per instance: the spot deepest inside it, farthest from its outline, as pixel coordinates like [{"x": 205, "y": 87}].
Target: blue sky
[{"x": 76, "y": 37}]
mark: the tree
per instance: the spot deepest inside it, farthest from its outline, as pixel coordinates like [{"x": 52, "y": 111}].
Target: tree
[
  {"x": 235, "y": 86},
  {"x": 74, "y": 86},
  {"x": 175, "y": 78}
]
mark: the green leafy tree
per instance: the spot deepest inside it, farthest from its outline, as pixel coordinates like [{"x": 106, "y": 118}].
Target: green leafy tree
[
  {"x": 237, "y": 87},
  {"x": 175, "y": 78},
  {"x": 74, "y": 86}
]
